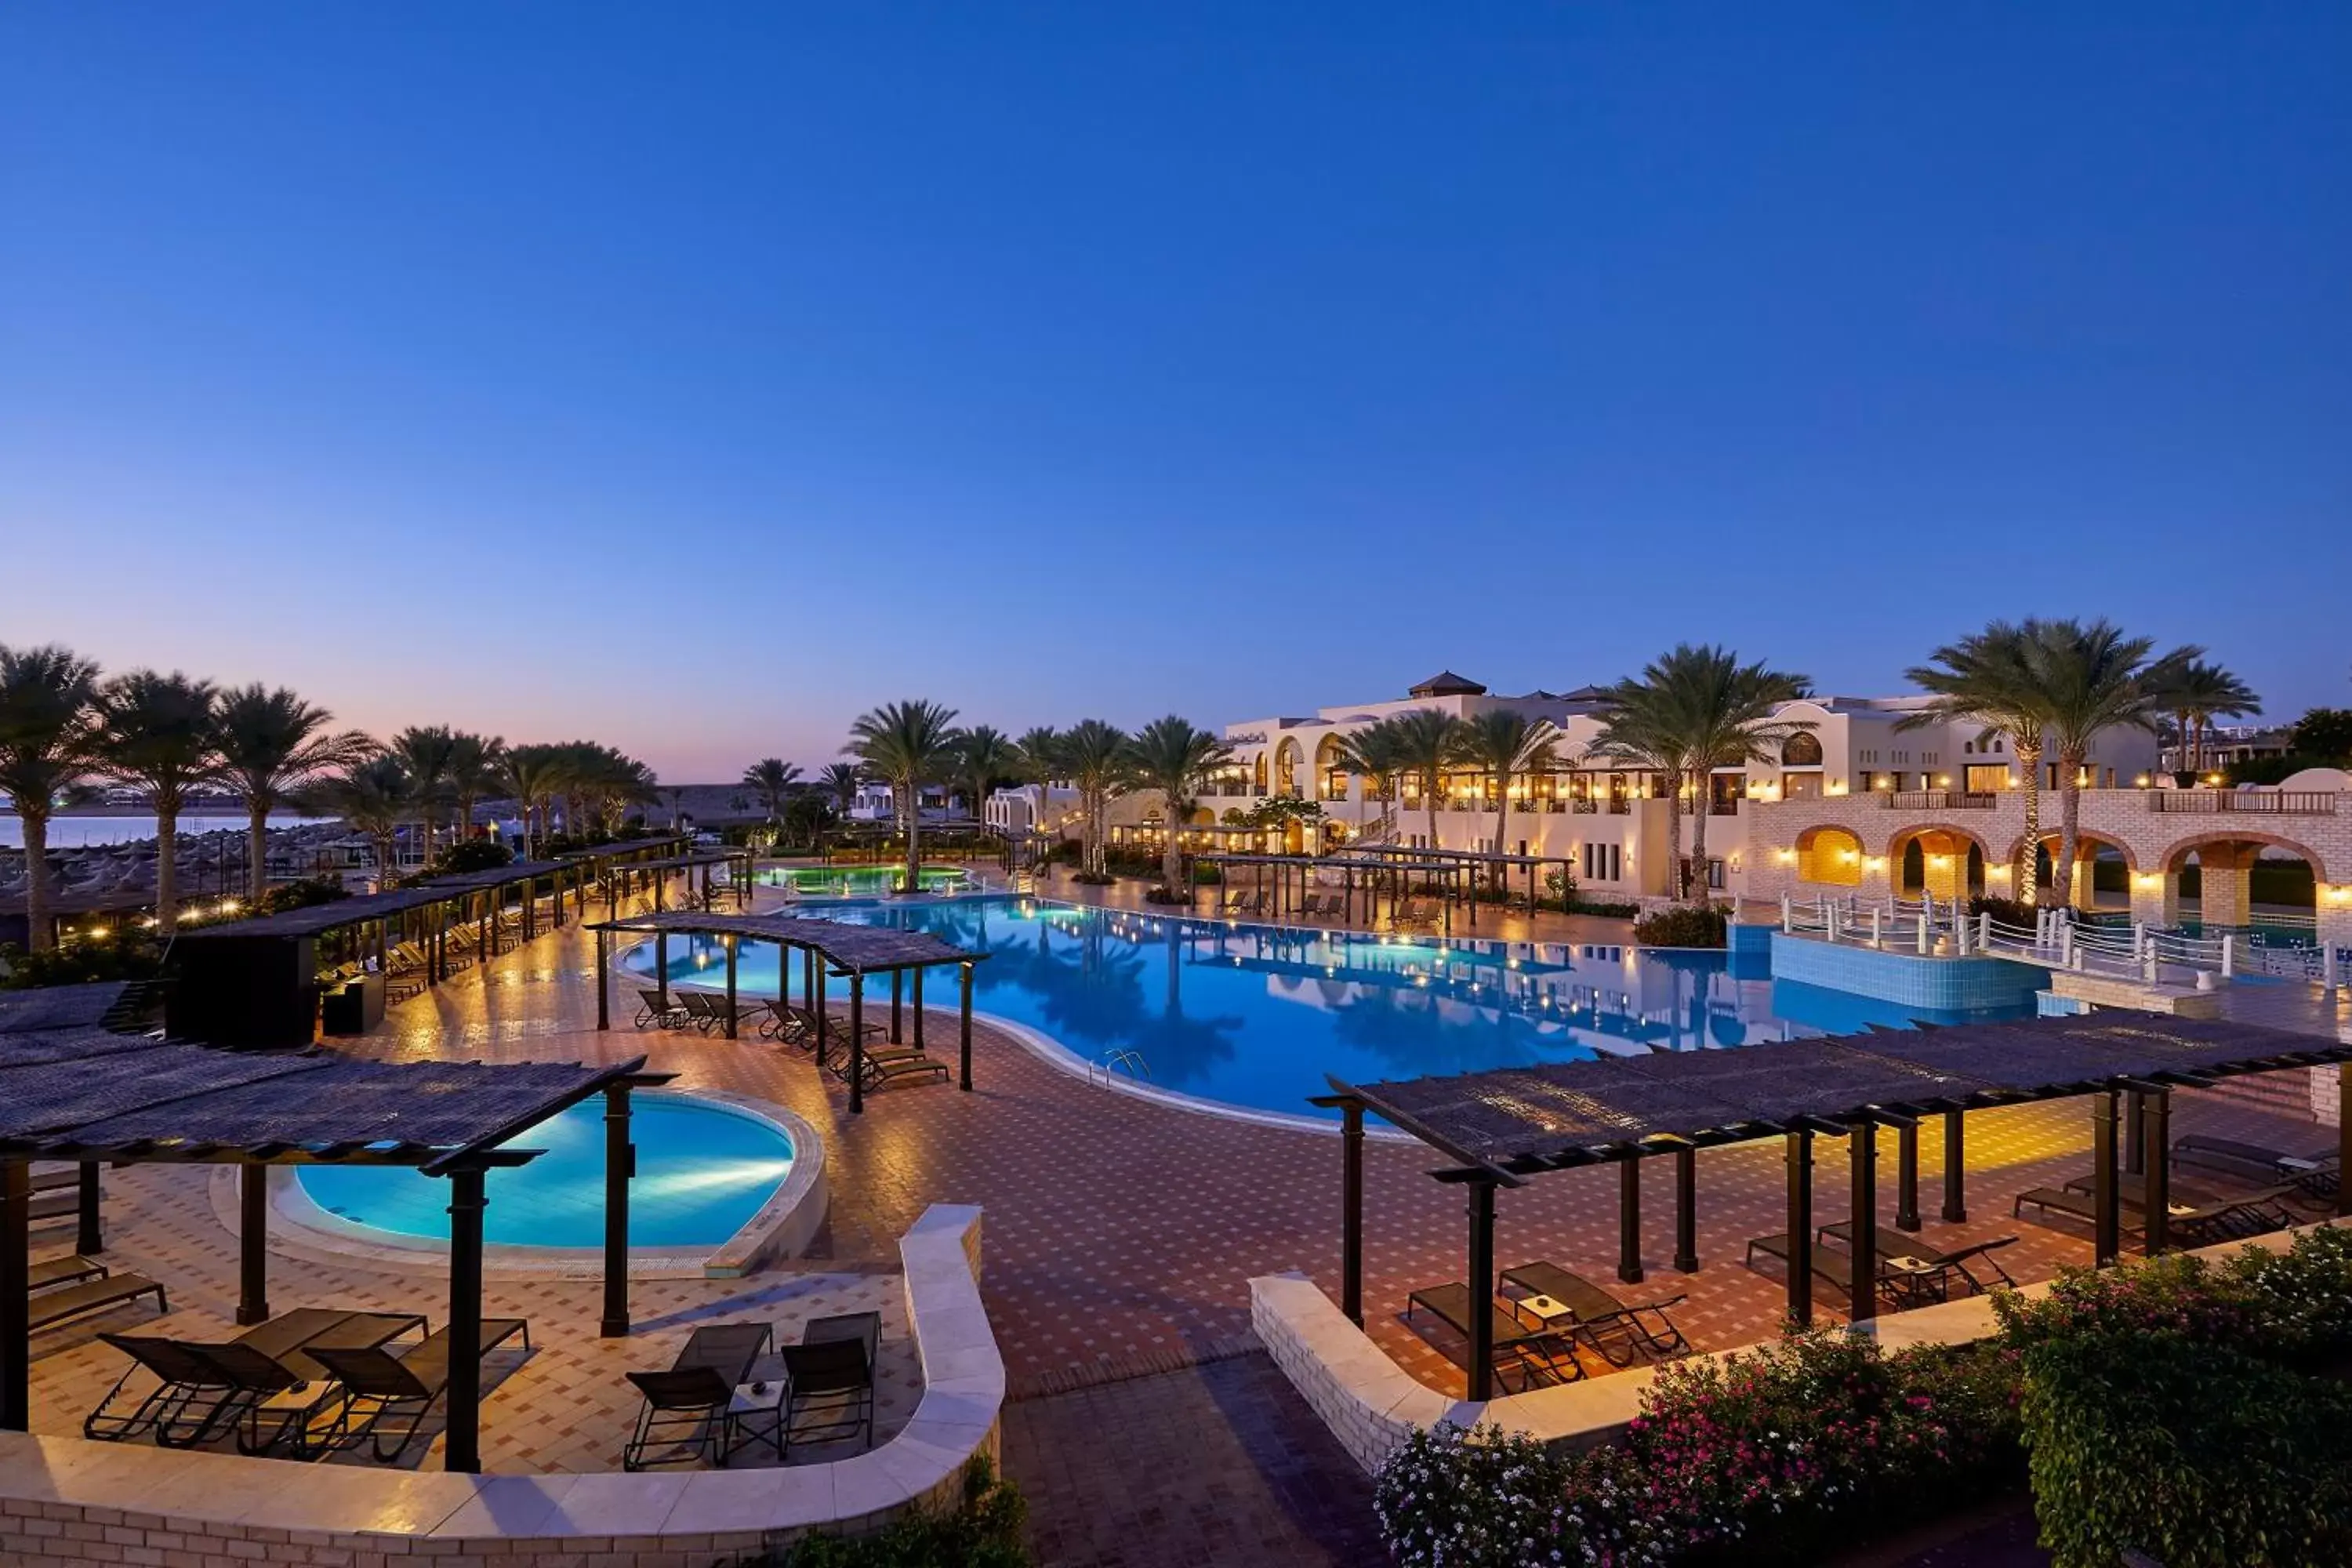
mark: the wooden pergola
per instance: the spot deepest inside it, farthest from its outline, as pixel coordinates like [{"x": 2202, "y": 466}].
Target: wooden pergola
[
  {"x": 1290, "y": 876},
  {"x": 89, "y": 1096},
  {"x": 1504, "y": 1127},
  {"x": 828, "y": 950},
  {"x": 652, "y": 876},
  {"x": 1497, "y": 864}
]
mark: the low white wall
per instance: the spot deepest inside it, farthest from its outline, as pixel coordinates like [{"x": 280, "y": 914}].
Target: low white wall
[{"x": 65, "y": 1500}]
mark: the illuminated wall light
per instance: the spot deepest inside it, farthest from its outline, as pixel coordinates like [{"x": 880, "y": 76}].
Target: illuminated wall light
[{"x": 1786, "y": 857}]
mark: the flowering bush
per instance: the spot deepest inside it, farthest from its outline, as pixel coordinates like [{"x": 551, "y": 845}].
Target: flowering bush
[{"x": 1481, "y": 1498}]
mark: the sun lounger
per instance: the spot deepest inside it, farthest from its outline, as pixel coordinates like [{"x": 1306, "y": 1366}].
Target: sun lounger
[
  {"x": 204, "y": 1386},
  {"x": 885, "y": 1065},
  {"x": 686, "y": 1408},
  {"x": 2319, "y": 1170},
  {"x": 379, "y": 1389},
  {"x": 2214, "y": 1220},
  {"x": 658, "y": 1010},
  {"x": 828, "y": 1392},
  {"x": 1535, "y": 1351},
  {"x": 69, "y": 1270},
  {"x": 1614, "y": 1327},
  {"x": 60, "y": 1302},
  {"x": 1958, "y": 1267},
  {"x": 51, "y": 1206},
  {"x": 707, "y": 1012}
]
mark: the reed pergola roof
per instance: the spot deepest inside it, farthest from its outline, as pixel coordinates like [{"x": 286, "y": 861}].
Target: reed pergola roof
[
  {"x": 317, "y": 920},
  {"x": 59, "y": 1006},
  {"x": 846, "y": 949}
]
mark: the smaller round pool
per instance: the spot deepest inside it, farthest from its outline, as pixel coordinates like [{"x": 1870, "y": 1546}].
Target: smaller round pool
[
  {"x": 703, "y": 1171},
  {"x": 863, "y": 881}
]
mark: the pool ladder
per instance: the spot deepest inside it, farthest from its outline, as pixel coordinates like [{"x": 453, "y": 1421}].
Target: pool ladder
[{"x": 1115, "y": 1060}]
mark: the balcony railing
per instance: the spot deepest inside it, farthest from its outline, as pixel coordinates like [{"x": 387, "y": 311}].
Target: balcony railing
[
  {"x": 2273, "y": 803},
  {"x": 1937, "y": 800}
]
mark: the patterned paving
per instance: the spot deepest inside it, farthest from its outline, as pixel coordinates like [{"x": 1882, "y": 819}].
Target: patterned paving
[{"x": 1118, "y": 1233}]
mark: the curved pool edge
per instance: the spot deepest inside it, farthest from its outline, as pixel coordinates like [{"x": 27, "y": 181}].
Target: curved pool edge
[{"x": 782, "y": 1227}]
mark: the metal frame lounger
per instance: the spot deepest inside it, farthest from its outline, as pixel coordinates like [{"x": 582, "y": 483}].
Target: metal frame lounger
[
  {"x": 55, "y": 1302},
  {"x": 1901, "y": 1287},
  {"x": 1603, "y": 1317},
  {"x": 1534, "y": 1349},
  {"x": 830, "y": 1376},
  {"x": 198, "y": 1392},
  {"x": 2219, "y": 1219},
  {"x": 1954, "y": 1264},
  {"x": 379, "y": 1388},
  {"x": 656, "y": 1011},
  {"x": 64, "y": 1271},
  {"x": 695, "y": 1393},
  {"x": 2319, "y": 1170}
]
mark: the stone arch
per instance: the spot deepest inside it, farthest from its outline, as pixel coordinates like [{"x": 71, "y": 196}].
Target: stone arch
[
  {"x": 2229, "y": 890},
  {"x": 1258, "y": 768},
  {"x": 2083, "y": 894},
  {"x": 1333, "y": 779},
  {"x": 1801, "y": 750},
  {"x": 1830, "y": 856},
  {"x": 1953, "y": 861},
  {"x": 1286, "y": 758}
]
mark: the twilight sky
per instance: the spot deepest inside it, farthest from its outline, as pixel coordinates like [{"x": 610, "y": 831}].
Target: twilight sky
[{"x": 693, "y": 378}]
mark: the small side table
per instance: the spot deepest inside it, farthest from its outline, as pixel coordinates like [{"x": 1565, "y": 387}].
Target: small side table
[
  {"x": 756, "y": 1415},
  {"x": 1545, "y": 1312}
]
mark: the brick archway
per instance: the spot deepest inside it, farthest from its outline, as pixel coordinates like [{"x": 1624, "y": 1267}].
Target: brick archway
[{"x": 1945, "y": 868}]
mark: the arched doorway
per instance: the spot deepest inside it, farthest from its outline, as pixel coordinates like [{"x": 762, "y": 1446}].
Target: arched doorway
[
  {"x": 1946, "y": 862},
  {"x": 2266, "y": 886},
  {"x": 1287, "y": 759},
  {"x": 1831, "y": 856}
]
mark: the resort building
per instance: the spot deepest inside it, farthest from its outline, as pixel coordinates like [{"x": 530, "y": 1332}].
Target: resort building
[{"x": 1606, "y": 817}]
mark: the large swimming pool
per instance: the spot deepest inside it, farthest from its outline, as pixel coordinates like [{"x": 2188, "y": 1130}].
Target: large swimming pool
[
  {"x": 703, "y": 1171},
  {"x": 862, "y": 881},
  {"x": 1255, "y": 1015}
]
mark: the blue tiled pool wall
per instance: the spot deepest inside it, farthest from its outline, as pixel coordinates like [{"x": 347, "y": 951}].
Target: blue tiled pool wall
[{"x": 1938, "y": 985}]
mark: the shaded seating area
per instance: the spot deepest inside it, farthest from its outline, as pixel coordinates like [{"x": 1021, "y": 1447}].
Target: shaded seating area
[
  {"x": 93, "y": 1096},
  {"x": 1539, "y": 1352},
  {"x": 1397, "y": 881},
  {"x": 689, "y": 1410},
  {"x": 1502, "y": 1129},
  {"x": 376, "y": 1390},
  {"x": 1619, "y": 1329},
  {"x": 826, "y": 950}
]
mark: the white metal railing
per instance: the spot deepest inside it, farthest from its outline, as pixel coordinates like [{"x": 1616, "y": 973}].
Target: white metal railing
[{"x": 2057, "y": 939}]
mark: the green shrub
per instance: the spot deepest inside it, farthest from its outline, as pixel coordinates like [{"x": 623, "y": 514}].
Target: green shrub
[
  {"x": 1483, "y": 1498},
  {"x": 982, "y": 1531},
  {"x": 2193, "y": 1452},
  {"x": 1686, "y": 925},
  {"x": 302, "y": 895},
  {"x": 2008, "y": 912},
  {"x": 472, "y": 855},
  {"x": 121, "y": 955}
]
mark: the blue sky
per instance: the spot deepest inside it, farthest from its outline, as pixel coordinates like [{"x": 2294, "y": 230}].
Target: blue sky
[{"x": 693, "y": 377}]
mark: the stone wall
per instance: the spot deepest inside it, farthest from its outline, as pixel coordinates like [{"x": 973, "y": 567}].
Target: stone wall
[{"x": 65, "y": 1500}]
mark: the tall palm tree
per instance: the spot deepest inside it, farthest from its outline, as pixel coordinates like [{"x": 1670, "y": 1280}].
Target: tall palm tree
[
  {"x": 1173, "y": 756},
  {"x": 375, "y": 798},
  {"x": 772, "y": 779},
  {"x": 606, "y": 781},
  {"x": 1987, "y": 679},
  {"x": 535, "y": 774},
  {"x": 158, "y": 733},
  {"x": 1505, "y": 744},
  {"x": 476, "y": 770},
  {"x": 910, "y": 743},
  {"x": 1693, "y": 710},
  {"x": 1374, "y": 754},
  {"x": 983, "y": 755},
  {"x": 48, "y": 734},
  {"x": 271, "y": 744},
  {"x": 842, "y": 780},
  {"x": 1093, "y": 756},
  {"x": 424, "y": 750},
  {"x": 2093, "y": 678},
  {"x": 2196, "y": 693},
  {"x": 1424, "y": 740}
]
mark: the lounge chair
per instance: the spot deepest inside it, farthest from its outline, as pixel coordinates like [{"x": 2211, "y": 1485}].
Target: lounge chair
[
  {"x": 379, "y": 1388},
  {"x": 60, "y": 1301},
  {"x": 1243, "y": 903},
  {"x": 2214, "y": 1219},
  {"x": 2319, "y": 1170},
  {"x": 829, "y": 1376},
  {"x": 1608, "y": 1322},
  {"x": 885, "y": 1065},
  {"x": 784, "y": 1023},
  {"x": 262, "y": 1373},
  {"x": 69, "y": 1270},
  {"x": 658, "y": 1010},
  {"x": 1962, "y": 1265},
  {"x": 1535, "y": 1351},
  {"x": 686, "y": 1408},
  {"x": 704, "y": 1011}
]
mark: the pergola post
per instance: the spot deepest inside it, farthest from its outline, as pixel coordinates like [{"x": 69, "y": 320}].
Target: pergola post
[
  {"x": 1629, "y": 1221},
  {"x": 856, "y": 1042},
  {"x": 1800, "y": 1226},
  {"x": 817, "y": 983},
  {"x": 661, "y": 968},
  {"x": 1351, "y": 1210},
  {"x": 963, "y": 1030},
  {"x": 620, "y": 1165},
  {"x": 530, "y": 908},
  {"x": 252, "y": 1244},
  {"x": 2106, "y": 1199},
  {"x": 2135, "y": 1131},
  {"x": 90, "y": 1231},
  {"x": 1906, "y": 1177},
  {"x": 463, "y": 1450},
  {"x": 484, "y": 931},
  {"x": 15, "y": 1291},
  {"x": 1955, "y": 1168},
  {"x": 918, "y": 1008},
  {"x": 604, "y": 989},
  {"x": 2156, "y": 1195},
  {"x": 1482, "y": 1287},
  {"x": 1862, "y": 1148},
  {"x": 1686, "y": 1209},
  {"x": 730, "y": 941},
  {"x": 2343, "y": 1139},
  {"x": 898, "y": 1005}
]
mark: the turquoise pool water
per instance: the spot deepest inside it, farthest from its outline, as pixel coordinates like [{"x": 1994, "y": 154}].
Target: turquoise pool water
[
  {"x": 702, "y": 1171},
  {"x": 1255, "y": 1015},
  {"x": 861, "y": 881}
]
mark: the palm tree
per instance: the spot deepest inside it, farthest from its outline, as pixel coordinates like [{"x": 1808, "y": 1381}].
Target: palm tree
[
  {"x": 48, "y": 730},
  {"x": 2196, "y": 693},
  {"x": 1093, "y": 757},
  {"x": 1693, "y": 709},
  {"x": 375, "y": 798},
  {"x": 425, "y": 752},
  {"x": 158, "y": 733},
  {"x": 910, "y": 743},
  {"x": 983, "y": 755},
  {"x": 535, "y": 774},
  {"x": 1374, "y": 754},
  {"x": 1173, "y": 756},
  {"x": 606, "y": 781},
  {"x": 842, "y": 780},
  {"x": 1424, "y": 744},
  {"x": 1987, "y": 679},
  {"x": 2092, "y": 679},
  {"x": 476, "y": 769},
  {"x": 1505, "y": 744},
  {"x": 772, "y": 779},
  {"x": 271, "y": 744},
  {"x": 1039, "y": 749}
]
